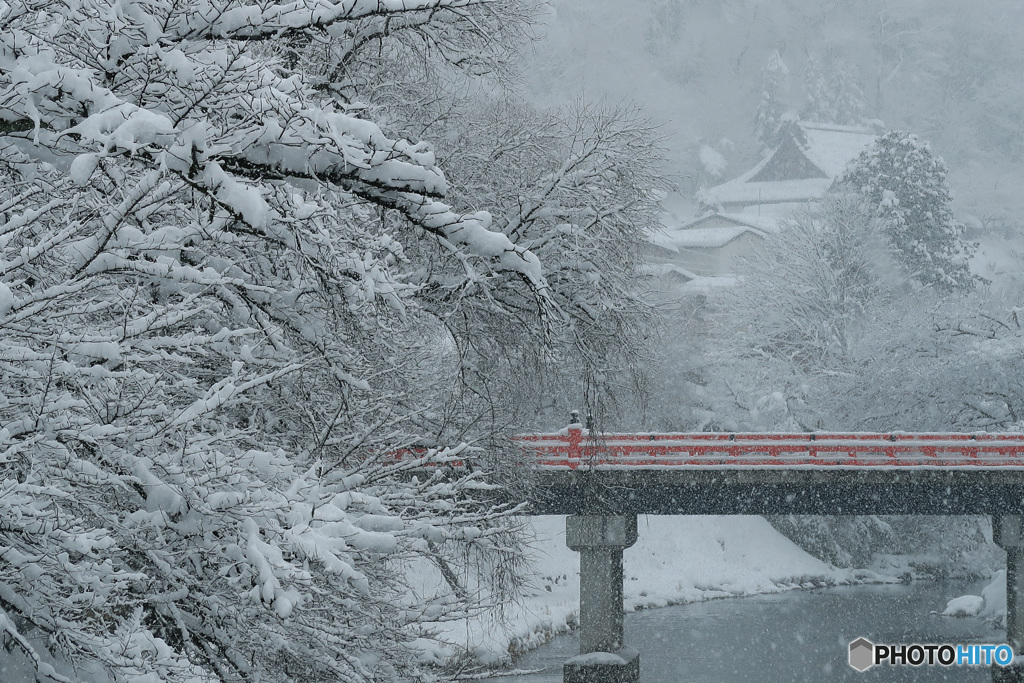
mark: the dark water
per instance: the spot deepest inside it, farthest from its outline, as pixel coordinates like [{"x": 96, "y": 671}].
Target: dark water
[{"x": 799, "y": 636}]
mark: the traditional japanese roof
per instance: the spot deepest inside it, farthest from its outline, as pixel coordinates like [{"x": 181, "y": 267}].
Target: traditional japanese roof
[
  {"x": 698, "y": 234},
  {"x": 832, "y": 147},
  {"x": 708, "y": 238},
  {"x": 766, "y": 223},
  {"x": 796, "y": 171},
  {"x": 669, "y": 270}
]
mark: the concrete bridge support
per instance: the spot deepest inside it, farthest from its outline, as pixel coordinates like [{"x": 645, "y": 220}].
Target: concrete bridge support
[
  {"x": 1009, "y": 535},
  {"x": 600, "y": 540}
]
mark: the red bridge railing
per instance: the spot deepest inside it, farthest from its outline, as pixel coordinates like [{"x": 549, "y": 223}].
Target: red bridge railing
[{"x": 574, "y": 447}]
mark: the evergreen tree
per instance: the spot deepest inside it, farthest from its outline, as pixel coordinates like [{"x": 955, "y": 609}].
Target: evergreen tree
[
  {"x": 771, "y": 109},
  {"x": 846, "y": 99},
  {"x": 664, "y": 27},
  {"x": 835, "y": 99},
  {"x": 906, "y": 184},
  {"x": 817, "y": 104}
]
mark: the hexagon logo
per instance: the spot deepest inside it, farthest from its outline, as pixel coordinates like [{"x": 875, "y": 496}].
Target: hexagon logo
[{"x": 862, "y": 654}]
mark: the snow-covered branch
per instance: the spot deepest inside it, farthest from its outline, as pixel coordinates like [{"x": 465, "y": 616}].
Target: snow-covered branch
[{"x": 260, "y": 21}]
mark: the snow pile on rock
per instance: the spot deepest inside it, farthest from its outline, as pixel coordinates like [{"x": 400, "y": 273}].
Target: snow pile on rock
[
  {"x": 991, "y": 604},
  {"x": 964, "y": 606}
]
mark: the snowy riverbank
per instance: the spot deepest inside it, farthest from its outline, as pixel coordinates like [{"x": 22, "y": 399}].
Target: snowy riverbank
[{"x": 675, "y": 560}]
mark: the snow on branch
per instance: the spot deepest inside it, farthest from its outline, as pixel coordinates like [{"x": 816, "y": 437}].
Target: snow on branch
[
  {"x": 288, "y": 139},
  {"x": 11, "y": 635},
  {"x": 249, "y": 21},
  {"x": 214, "y": 337}
]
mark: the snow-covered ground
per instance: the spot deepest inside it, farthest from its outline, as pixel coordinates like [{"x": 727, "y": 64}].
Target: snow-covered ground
[{"x": 675, "y": 560}]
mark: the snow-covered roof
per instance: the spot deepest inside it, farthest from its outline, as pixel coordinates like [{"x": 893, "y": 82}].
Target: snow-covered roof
[
  {"x": 663, "y": 239},
  {"x": 706, "y": 238},
  {"x": 739, "y": 191},
  {"x": 693, "y": 236},
  {"x": 767, "y": 223},
  {"x": 832, "y": 147},
  {"x": 668, "y": 270},
  {"x": 829, "y": 148},
  {"x": 762, "y": 223}
]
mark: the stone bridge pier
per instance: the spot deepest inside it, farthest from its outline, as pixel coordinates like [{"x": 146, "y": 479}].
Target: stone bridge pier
[
  {"x": 603, "y": 658},
  {"x": 1008, "y": 533}
]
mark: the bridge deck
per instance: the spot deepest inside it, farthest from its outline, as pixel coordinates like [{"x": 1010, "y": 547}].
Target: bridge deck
[
  {"x": 777, "y": 473},
  {"x": 574, "y": 448}
]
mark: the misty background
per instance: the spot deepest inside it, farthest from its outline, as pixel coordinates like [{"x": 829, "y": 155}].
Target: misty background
[{"x": 951, "y": 72}]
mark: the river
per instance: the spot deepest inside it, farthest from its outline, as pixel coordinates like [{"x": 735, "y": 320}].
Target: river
[{"x": 789, "y": 637}]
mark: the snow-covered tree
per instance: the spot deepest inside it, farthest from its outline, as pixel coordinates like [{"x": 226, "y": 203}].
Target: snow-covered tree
[
  {"x": 999, "y": 100},
  {"x": 845, "y": 94},
  {"x": 228, "y": 298},
  {"x": 547, "y": 177},
  {"x": 937, "y": 364},
  {"x": 845, "y": 541},
  {"x": 664, "y": 26},
  {"x": 802, "y": 299},
  {"x": 712, "y": 161},
  {"x": 817, "y": 102},
  {"x": 772, "y": 106},
  {"x": 578, "y": 187},
  {"x": 798, "y": 313},
  {"x": 905, "y": 184},
  {"x": 835, "y": 99}
]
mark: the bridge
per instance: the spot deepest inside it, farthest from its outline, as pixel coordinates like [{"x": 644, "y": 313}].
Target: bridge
[{"x": 603, "y": 481}]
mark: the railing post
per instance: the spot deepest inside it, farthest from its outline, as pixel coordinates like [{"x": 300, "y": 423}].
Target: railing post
[
  {"x": 600, "y": 540},
  {"x": 575, "y": 451},
  {"x": 1007, "y": 533}
]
